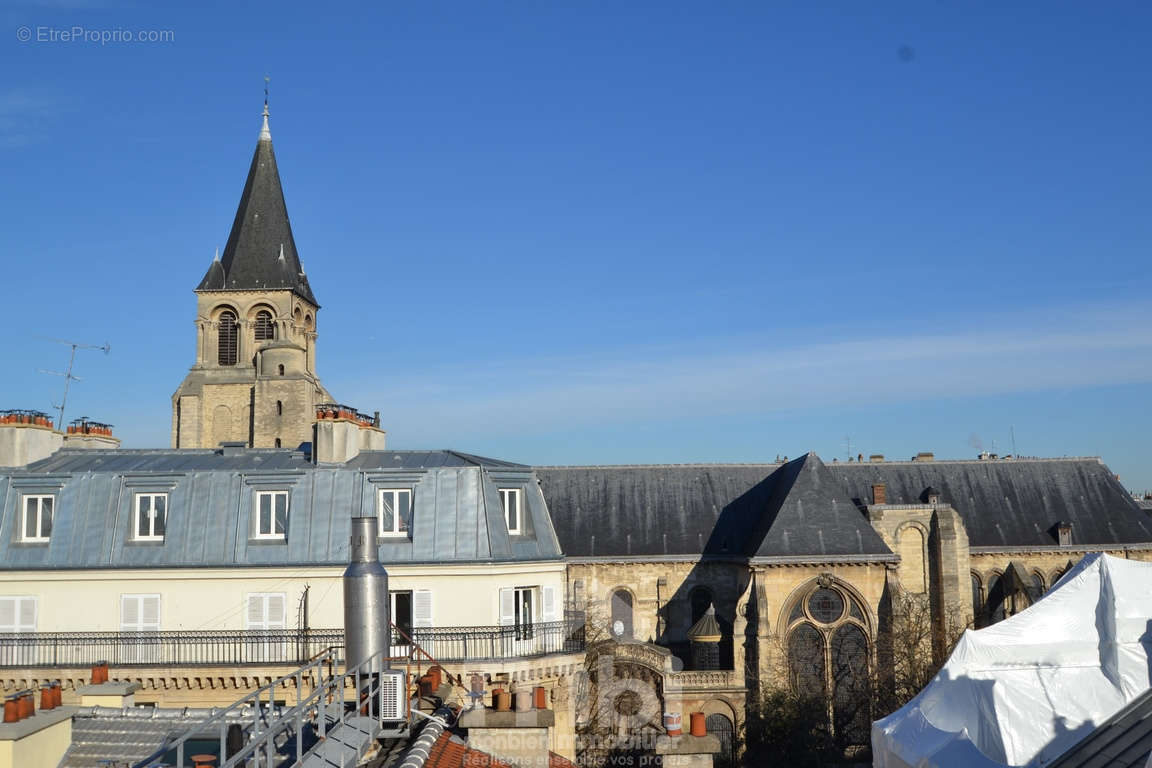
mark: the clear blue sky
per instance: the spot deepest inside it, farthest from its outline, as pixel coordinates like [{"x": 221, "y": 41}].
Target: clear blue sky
[{"x": 610, "y": 232}]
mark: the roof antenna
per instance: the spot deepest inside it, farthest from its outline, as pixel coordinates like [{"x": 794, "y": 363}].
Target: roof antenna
[{"x": 68, "y": 377}]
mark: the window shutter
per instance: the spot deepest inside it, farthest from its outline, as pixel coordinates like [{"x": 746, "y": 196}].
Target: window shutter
[
  {"x": 275, "y": 611},
  {"x": 548, "y": 604},
  {"x": 255, "y": 611},
  {"x": 129, "y": 613},
  {"x": 8, "y": 613},
  {"x": 422, "y": 608},
  {"x": 27, "y": 615},
  {"x": 507, "y": 607},
  {"x": 150, "y": 612}
]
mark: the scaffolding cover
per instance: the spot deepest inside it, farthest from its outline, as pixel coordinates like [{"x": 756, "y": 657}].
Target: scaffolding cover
[{"x": 1023, "y": 691}]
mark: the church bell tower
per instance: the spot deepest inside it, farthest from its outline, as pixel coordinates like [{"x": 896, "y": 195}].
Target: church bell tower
[{"x": 254, "y": 379}]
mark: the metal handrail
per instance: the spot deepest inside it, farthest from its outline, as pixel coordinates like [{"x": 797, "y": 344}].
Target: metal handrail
[
  {"x": 253, "y": 699},
  {"x": 276, "y": 647},
  {"x": 261, "y": 747}
]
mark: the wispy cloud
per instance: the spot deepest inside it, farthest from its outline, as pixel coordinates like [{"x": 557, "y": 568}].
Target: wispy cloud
[
  {"x": 24, "y": 116},
  {"x": 1085, "y": 348}
]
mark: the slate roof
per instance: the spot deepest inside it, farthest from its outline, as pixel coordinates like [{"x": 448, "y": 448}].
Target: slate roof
[
  {"x": 261, "y": 252},
  {"x": 456, "y": 517},
  {"x": 807, "y": 508},
  {"x": 1014, "y": 502},
  {"x": 248, "y": 459},
  {"x": 745, "y": 510}
]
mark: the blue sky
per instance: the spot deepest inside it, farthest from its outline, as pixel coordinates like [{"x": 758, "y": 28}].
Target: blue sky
[{"x": 610, "y": 232}]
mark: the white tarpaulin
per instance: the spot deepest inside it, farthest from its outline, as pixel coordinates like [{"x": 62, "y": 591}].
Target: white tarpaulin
[{"x": 1023, "y": 691}]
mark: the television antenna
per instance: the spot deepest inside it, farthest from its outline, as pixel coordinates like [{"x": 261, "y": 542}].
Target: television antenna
[{"x": 68, "y": 377}]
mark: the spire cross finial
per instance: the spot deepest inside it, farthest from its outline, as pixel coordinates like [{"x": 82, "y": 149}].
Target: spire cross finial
[{"x": 265, "y": 134}]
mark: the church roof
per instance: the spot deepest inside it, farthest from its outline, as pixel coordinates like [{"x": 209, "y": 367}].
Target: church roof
[
  {"x": 260, "y": 253},
  {"x": 806, "y": 508},
  {"x": 772, "y": 511},
  {"x": 1013, "y": 502}
]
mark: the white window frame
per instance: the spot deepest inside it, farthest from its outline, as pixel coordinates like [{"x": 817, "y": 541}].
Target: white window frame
[
  {"x": 398, "y": 530},
  {"x": 271, "y": 534},
  {"x": 153, "y": 536},
  {"x": 507, "y": 496},
  {"x": 18, "y": 606},
  {"x": 511, "y": 600},
  {"x": 39, "y": 499}
]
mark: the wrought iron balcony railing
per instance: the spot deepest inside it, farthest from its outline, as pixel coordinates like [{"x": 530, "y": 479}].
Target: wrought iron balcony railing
[{"x": 275, "y": 647}]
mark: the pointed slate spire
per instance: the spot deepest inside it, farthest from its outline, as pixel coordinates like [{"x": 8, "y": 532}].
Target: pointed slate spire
[{"x": 260, "y": 253}]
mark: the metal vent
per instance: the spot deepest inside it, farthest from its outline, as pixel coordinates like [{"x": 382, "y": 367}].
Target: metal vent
[{"x": 392, "y": 690}]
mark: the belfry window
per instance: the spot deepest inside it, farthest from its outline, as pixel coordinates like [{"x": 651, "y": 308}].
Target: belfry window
[
  {"x": 265, "y": 330},
  {"x": 228, "y": 348}
]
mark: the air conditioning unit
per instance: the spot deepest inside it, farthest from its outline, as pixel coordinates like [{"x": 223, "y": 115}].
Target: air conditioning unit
[{"x": 394, "y": 696}]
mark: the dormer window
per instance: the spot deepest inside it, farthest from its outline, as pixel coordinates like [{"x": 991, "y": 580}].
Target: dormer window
[
  {"x": 228, "y": 330},
  {"x": 271, "y": 515},
  {"x": 151, "y": 516},
  {"x": 1064, "y": 533},
  {"x": 265, "y": 330},
  {"x": 510, "y": 501},
  {"x": 395, "y": 511},
  {"x": 36, "y": 527}
]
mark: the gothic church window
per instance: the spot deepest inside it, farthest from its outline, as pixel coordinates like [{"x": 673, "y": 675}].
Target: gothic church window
[{"x": 828, "y": 657}]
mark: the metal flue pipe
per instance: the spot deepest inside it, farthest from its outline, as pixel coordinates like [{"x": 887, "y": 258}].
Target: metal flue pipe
[{"x": 367, "y": 630}]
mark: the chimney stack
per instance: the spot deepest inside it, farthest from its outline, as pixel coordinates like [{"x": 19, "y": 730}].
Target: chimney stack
[
  {"x": 27, "y": 436},
  {"x": 879, "y": 494},
  {"x": 367, "y": 629}
]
